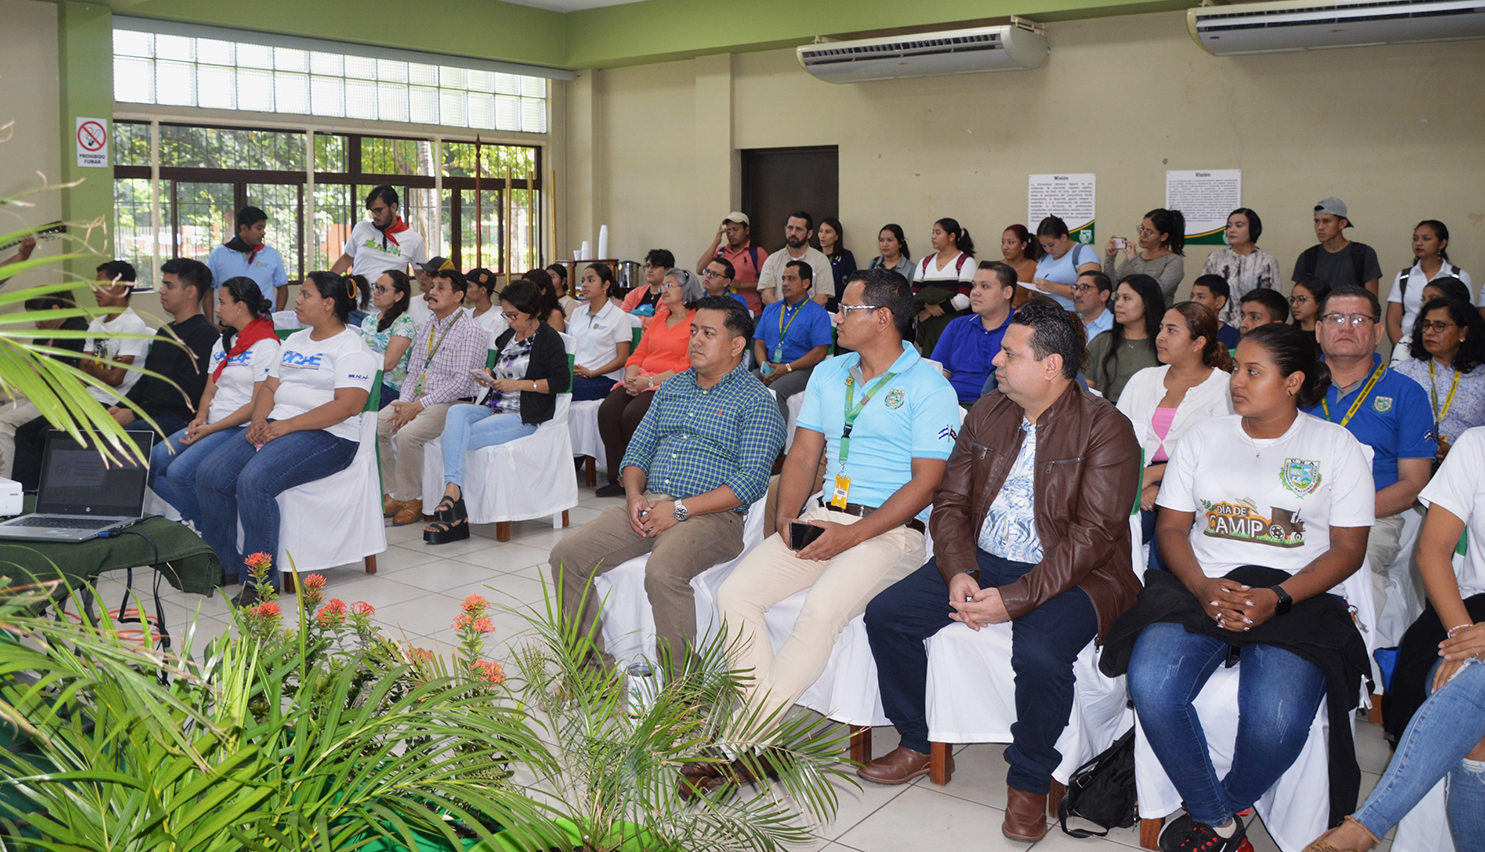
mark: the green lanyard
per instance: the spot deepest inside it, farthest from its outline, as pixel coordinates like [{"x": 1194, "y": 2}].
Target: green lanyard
[
  {"x": 853, "y": 410},
  {"x": 1360, "y": 398}
]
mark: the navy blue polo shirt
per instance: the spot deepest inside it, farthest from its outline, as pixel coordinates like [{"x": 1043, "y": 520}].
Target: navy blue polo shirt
[
  {"x": 965, "y": 349},
  {"x": 1395, "y": 420}
]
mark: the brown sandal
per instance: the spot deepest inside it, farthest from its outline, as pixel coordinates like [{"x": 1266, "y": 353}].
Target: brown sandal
[{"x": 1323, "y": 842}]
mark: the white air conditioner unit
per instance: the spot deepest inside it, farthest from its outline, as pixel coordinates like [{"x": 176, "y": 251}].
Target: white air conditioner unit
[
  {"x": 1013, "y": 47},
  {"x": 1291, "y": 25}
]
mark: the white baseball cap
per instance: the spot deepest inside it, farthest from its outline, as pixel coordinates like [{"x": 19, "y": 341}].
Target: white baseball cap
[{"x": 739, "y": 218}]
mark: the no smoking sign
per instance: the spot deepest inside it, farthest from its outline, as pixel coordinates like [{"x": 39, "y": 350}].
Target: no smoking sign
[{"x": 92, "y": 143}]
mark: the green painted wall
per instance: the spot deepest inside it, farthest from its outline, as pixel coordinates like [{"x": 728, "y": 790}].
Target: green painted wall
[
  {"x": 488, "y": 29},
  {"x": 85, "y": 56}
]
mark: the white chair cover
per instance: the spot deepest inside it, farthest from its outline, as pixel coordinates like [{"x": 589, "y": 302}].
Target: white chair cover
[
  {"x": 1295, "y": 810},
  {"x": 336, "y": 520},
  {"x": 582, "y": 428},
  {"x": 628, "y": 621},
  {"x": 1402, "y": 590},
  {"x": 527, "y": 478}
]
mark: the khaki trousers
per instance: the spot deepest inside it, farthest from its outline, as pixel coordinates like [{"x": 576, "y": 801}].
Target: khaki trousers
[
  {"x": 676, "y": 555},
  {"x": 840, "y": 589},
  {"x": 403, "y": 479}
]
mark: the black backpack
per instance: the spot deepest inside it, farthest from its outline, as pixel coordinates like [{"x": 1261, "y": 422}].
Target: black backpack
[{"x": 1102, "y": 790}]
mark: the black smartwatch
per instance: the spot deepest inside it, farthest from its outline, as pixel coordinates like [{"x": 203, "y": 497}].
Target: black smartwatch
[{"x": 1286, "y": 603}]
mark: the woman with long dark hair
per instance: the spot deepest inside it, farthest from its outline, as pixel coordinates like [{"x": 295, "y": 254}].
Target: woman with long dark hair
[
  {"x": 894, "y": 252},
  {"x": 1305, "y": 299},
  {"x": 239, "y": 364},
  {"x": 832, "y": 237},
  {"x": 603, "y": 334},
  {"x": 1128, "y": 347},
  {"x": 1447, "y": 349},
  {"x": 389, "y": 332},
  {"x": 942, "y": 281},
  {"x": 1019, "y": 250},
  {"x": 1062, "y": 260},
  {"x": 1431, "y": 250},
  {"x": 1262, "y": 514},
  {"x": 551, "y": 301},
  {"x": 1161, "y": 244},
  {"x": 304, "y": 427}
]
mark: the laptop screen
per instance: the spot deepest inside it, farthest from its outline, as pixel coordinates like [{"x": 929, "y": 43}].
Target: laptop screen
[{"x": 77, "y": 480}]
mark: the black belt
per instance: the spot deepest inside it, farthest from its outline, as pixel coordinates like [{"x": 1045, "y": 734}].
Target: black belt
[{"x": 861, "y": 511}]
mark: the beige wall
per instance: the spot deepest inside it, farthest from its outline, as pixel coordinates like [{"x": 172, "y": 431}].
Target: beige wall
[
  {"x": 1398, "y": 132},
  {"x": 28, "y": 97}
]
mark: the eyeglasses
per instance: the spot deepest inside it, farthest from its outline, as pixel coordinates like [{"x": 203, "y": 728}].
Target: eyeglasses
[
  {"x": 846, "y": 309},
  {"x": 669, "y": 285},
  {"x": 1298, "y": 300},
  {"x": 1146, "y": 232},
  {"x": 1354, "y": 320},
  {"x": 1437, "y": 326},
  {"x": 1083, "y": 288},
  {"x": 380, "y": 289},
  {"x": 510, "y": 316},
  {"x": 707, "y": 273},
  {"x": 377, "y": 211}
]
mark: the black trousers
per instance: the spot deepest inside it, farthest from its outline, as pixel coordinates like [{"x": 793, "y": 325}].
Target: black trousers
[{"x": 1044, "y": 644}]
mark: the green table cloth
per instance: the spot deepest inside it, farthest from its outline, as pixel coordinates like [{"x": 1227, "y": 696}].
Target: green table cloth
[{"x": 184, "y": 559}]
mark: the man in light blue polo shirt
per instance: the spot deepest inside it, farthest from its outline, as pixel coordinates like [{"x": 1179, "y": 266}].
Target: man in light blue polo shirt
[
  {"x": 884, "y": 421},
  {"x": 793, "y": 335},
  {"x": 245, "y": 255},
  {"x": 1384, "y": 410}
]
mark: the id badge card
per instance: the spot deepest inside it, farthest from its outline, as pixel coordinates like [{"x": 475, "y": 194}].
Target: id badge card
[
  {"x": 778, "y": 354},
  {"x": 840, "y": 497}
]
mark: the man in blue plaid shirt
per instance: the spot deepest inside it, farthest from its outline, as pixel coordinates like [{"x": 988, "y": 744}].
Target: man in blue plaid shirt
[{"x": 700, "y": 457}]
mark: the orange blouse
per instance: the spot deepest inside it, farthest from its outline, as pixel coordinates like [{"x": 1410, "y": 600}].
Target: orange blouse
[{"x": 663, "y": 348}]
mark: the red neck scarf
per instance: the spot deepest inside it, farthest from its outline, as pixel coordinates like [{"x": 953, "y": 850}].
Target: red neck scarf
[
  {"x": 258, "y": 329},
  {"x": 388, "y": 233}
]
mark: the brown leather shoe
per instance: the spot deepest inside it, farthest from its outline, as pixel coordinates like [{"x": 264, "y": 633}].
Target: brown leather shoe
[
  {"x": 898, "y": 766},
  {"x": 390, "y": 506},
  {"x": 410, "y": 513},
  {"x": 1025, "y": 816}
]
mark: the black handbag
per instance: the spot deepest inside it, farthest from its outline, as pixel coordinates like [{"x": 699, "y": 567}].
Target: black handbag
[{"x": 1102, "y": 790}]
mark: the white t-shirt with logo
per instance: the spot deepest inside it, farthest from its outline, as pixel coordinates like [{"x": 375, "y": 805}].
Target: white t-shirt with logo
[
  {"x": 598, "y": 337},
  {"x": 242, "y": 374},
  {"x": 1459, "y": 488},
  {"x": 1268, "y": 501},
  {"x": 309, "y": 371},
  {"x": 370, "y": 259},
  {"x": 127, "y": 322}
]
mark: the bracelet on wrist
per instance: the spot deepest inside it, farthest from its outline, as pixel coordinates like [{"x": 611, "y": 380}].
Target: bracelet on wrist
[{"x": 1458, "y": 627}]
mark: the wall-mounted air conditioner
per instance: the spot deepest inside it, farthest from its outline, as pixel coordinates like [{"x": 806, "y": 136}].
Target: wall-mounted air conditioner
[
  {"x": 1013, "y": 47},
  {"x": 1290, "y": 25}
]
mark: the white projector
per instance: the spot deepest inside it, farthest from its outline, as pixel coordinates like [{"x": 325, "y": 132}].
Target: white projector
[{"x": 10, "y": 498}]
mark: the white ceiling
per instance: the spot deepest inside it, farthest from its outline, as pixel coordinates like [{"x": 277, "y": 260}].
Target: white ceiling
[{"x": 571, "y": 5}]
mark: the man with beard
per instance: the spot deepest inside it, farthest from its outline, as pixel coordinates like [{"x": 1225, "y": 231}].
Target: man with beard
[
  {"x": 797, "y": 232},
  {"x": 383, "y": 243}
]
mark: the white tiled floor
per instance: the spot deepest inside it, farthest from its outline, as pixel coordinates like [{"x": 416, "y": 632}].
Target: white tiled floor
[{"x": 417, "y": 592}]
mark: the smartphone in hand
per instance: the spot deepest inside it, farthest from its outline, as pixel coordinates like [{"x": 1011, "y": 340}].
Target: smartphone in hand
[{"x": 801, "y": 534}]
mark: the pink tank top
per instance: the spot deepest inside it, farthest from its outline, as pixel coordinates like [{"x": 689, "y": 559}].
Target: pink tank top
[{"x": 1160, "y": 421}]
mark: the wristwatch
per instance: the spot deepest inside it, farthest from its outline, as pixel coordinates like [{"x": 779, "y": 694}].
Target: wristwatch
[
  {"x": 1285, "y": 602},
  {"x": 681, "y": 512}
]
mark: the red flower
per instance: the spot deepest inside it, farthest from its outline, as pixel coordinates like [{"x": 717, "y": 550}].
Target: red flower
[
  {"x": 313, "y": 581},
  {"x": 483, "y": 625},
  {"x": 363, "y": 608},
  {"x": 258, "y": 560},
  {"x": 419, "y": 655},
  {"x": 488, "y": 671},
  {"x": 268, "y": 609},
  {"x": 474, "y": 604},
  {"x": 462, "y": 621},
  {"x": 332, "y": 613}
]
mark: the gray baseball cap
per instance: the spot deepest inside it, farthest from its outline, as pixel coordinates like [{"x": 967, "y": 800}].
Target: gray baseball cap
[{"x": 1335, "y": 207}]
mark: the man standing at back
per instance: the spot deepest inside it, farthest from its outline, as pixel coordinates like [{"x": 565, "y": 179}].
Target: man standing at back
[
  {"x": 882, "y": 419},
  {"x": 381, "y": 243},
  {"x": 745, "y": 257},
  {"x": 798, "y": 230},
  {"x": 245, "y": 255},
  {"x": 1030, "y": 526},
  {"x": 1335, "y": 259}
]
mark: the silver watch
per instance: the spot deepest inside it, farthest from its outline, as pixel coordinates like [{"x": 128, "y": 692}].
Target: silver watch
[{"x": 681, "y": 512}]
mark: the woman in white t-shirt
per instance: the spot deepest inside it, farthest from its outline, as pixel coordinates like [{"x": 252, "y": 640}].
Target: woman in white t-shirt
[
  {"x": 239, "y": 363},
  {"x": 304, "y": 427},
  {"x": 1437, "y": 687},
  {"x": 942, "y": 281},
  {"x": 1260, "y": 511},
  {"x": 1062, "y": 261},
  {"x": 603, "y": 333},
  {"x": 1431, "y": 250},
  {"x": 1163, "y": 402}
]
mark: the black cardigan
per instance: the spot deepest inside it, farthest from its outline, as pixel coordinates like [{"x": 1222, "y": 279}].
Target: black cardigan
[
  {"x": 548, "y": 361},
  {"x": 1319, "y": 629}
]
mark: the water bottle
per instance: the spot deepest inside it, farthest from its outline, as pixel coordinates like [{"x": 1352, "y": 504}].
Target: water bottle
[{"x": 641, "y": 688}]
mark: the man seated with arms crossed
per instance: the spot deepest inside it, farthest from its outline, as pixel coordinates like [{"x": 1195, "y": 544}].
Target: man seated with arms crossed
[
  {"x": 1384, "y": 409},
  {"x": 883, "y": 419},
  {"x": 170, "y": 396},
  {"x": 1261, "y": 307},
  {"x": 449, "y": 346},
  {"x": 793, "y": 335},
  {"x": 1091, "y": 300},
  {"x": 1213, "y": 292},
  {"x": 1030, "y": 526},
  {"x": 700, "y": 457}
]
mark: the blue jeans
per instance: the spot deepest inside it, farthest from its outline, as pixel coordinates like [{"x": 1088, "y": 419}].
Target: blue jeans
[
  {"x": 1438, "y": 739},
  {"x": 470, "y": 427},
  {"x": 1279, "y": 693},
  {"x": 173, "y": 468},
  {"x": 1044, "y": 644},
  {"x": 237, "y": 481}
]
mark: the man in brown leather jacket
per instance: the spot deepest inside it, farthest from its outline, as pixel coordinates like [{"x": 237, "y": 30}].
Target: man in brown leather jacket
[{"x": 1030, "y": 525}]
